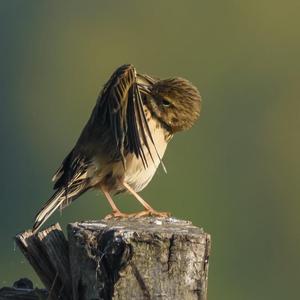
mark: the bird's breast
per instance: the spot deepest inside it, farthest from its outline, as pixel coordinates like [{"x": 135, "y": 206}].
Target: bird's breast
[{"x": 136, "y": 174}]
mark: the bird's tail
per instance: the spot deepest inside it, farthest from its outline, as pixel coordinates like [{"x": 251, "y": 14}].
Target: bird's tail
[{"x": 58, "y": 199}]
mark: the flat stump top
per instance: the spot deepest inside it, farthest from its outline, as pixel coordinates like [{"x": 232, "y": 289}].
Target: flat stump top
[{"x": 143, "y": 225}]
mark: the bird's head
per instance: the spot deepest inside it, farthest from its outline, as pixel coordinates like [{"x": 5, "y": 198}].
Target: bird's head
[{"x": 175, "y": 102}]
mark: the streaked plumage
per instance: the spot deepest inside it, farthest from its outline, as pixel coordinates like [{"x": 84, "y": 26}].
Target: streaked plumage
[{"x": 125, "y": 138}]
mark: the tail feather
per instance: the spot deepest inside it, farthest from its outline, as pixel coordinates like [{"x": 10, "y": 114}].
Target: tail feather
[
  {"x": 67, "y": 190},
  {"x": 48, "y": 209}
]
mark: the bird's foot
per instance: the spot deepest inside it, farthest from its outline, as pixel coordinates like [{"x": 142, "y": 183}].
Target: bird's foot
[
  {"x": 152, "y": 213},
  {"x": 117, "y": 214}
]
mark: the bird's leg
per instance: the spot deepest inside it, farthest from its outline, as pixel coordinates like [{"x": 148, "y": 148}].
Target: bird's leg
[
  {"x": 149, "y": 211},
  {"x": 116, "y": 213}
]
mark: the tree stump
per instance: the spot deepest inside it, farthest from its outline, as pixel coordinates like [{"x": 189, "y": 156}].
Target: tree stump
[
  {"x": 120, "y": 259},
  {"x": 146, "y": 258}
]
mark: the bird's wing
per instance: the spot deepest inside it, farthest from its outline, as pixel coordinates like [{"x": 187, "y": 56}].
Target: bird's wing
[
  {"x": 72, "y": 173},
  {"x": 118, "y": 120},
  {"x": 120, "y": 109}
]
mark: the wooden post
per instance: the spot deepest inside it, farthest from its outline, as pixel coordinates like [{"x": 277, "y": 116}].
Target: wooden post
[
  {"x": 145, "y": 258},
  {"x": 48, "y": 254}
]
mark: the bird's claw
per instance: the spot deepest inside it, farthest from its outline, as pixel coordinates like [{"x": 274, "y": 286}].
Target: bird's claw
[
  {"x": 117, "y": 214},
  {"x": 144, "y": 213},
  {"x": 152, "y": 213}
]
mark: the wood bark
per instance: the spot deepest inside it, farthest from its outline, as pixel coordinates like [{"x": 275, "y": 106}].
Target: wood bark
[
  {"x": 146, "y": 258},
  {"x": 120, "y": 259}
]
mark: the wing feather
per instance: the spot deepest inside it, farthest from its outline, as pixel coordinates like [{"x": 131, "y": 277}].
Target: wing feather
[
  {"x": 120, "y": 107},
  {"x": 120, "y": 114}
]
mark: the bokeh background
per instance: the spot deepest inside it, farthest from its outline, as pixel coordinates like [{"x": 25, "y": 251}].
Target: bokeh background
[{"x": 236, "y": 173}]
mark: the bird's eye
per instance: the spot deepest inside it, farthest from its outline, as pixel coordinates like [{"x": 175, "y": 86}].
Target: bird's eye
[{"x": 166, "y": 103}]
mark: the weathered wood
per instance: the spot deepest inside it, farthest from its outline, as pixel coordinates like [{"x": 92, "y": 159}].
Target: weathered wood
[
  {"x": 146, "y": 258},
  {"x": 47, "y": 252}
]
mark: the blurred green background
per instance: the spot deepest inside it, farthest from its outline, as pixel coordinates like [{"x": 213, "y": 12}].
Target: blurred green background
[{"x": 236, "y": 173}]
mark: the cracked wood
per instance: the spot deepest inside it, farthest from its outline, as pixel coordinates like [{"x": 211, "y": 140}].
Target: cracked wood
[{"x": 147, "y": 258}]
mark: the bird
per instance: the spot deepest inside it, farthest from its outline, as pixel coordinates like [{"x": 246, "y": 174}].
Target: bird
[{"x": 124, "y": 140}]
